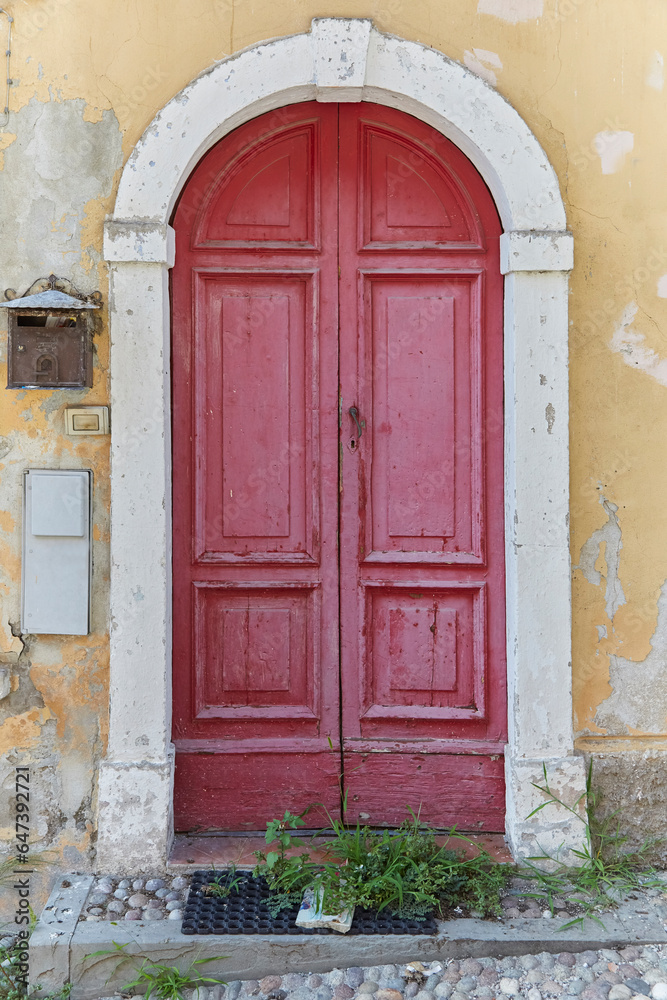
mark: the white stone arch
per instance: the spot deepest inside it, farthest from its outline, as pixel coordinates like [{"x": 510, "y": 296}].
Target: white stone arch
[{"x": 338, "y": 60}]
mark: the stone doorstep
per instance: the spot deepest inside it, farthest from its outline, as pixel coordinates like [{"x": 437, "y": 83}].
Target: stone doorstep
[{"x": 60, "y": 943}]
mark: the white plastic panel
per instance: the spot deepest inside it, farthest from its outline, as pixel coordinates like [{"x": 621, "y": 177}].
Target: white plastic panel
[
  {"x": 56, "y": 552},
  {"x": 59, "y": 503}
]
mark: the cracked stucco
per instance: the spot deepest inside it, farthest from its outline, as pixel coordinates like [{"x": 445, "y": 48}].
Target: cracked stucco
[
  {"x": 56, "y": 182},
  {"x": 638, "y": 703},
  {"x": 58, "y": 163}
]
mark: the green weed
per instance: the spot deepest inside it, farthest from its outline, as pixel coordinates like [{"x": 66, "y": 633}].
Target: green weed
[
  {"x": 35, "y": 861},
  {"x": 407, "y": 872},
  {"x": 167, "y": 982},
  {"x": 606, "y": 875},
  {"x": 12, "y": 970},
  {"x": 163, "y": 981},
  {"x": 10, "y": 987},
  {"x": 13, "y": 988},
  {"x": 223, "y": 884},
  {"x": 404, "y": 871}
]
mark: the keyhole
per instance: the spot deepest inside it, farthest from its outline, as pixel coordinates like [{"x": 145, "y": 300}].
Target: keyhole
[{"x": 353, "y": 444}]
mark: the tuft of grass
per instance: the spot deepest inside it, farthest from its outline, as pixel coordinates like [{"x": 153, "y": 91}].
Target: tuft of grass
[
  {"x": 166, "y": 982},
  {"x": 37, "y": 861},
  {"x": 223, "y": 884},
  {"x": 607, "y": 873},
  {"x": 404, "y": 871}
]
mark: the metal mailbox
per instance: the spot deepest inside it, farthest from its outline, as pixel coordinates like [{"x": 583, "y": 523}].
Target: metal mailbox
[{"x": 50, "y": 337}]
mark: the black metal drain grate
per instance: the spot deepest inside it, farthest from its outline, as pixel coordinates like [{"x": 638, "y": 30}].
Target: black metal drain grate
[{"x": 245, "y": 911}]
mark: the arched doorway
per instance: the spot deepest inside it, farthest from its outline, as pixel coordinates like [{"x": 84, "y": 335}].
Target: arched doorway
[
  {"x": 339, "y": 60},
  {"x": 337, "y": 376}
]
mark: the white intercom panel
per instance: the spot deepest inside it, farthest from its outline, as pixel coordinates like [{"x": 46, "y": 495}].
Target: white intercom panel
[{"x": 56, "y": 552}]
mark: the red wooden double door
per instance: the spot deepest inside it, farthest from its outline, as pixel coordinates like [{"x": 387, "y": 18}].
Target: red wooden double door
[{"x": 338, "y": 547}]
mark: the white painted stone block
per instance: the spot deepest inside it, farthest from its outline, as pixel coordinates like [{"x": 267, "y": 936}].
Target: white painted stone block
[
  {"x": 554, "y": 832},
  {"x": 151, "y": 243},
  {"x": 339, "y": 56},
  {"x": 135, "y": 816},
  {"x": 536, "y": 251}
]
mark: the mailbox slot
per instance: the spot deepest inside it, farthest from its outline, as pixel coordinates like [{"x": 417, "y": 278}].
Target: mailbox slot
[{"x": 48, "y": 351}]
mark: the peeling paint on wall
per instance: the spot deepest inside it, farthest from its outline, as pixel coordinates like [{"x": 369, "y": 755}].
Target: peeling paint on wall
[
  {"x": 480, "y": 62},
  {"x": 59, "y": 172},
  {"x": 600, "y": 556},
  {"x": 58, "y": 163},
  {"x": 550, "y": 417},
  {"x": 638, "y": 703},
  {"x": 655, "y": 76},
  {"x": 631, "y": 346},
  {"x": 512, "y": 10},
  {"x": 612, "y": 148}
]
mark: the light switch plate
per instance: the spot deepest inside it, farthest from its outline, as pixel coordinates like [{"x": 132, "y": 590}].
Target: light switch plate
[{"x": 86, "y": 420}]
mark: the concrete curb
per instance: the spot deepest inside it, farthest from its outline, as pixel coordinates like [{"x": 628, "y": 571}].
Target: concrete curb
[
  {"x": 59, "y": 946},
  {"x": 49, "y": 955}
]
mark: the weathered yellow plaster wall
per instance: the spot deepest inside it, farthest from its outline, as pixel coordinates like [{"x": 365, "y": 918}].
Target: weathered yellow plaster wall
[{"x": 586, "y": 76}]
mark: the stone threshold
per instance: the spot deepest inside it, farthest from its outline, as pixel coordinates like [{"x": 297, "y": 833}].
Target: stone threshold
[
  {"x": 61, "y": 941},
  {"x": 193, "y": 851}
]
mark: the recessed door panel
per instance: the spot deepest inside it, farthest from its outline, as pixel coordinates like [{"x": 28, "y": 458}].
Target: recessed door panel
[
  {"x": 266, "y": 195},
  {"x": 411, "y": 195},
  {"x": 426, "y": 659},
  {"x": 257, "y": 422},
  {"x": 421, "y": 387},
  {"x": 256, "y": 649}
]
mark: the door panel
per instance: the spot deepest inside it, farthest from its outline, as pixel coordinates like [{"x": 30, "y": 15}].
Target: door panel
[
  {"x": 256, "y": 646},
  {"x": 254, "y": 341},
  {"x": 338, "y": 589},
  {"x": 427, "y": 656},
  {"x": 419, "y": 382},
  {"x": 411, "y": 197},
  {"x": 267, "y": 193},
  {"x": 422, "y": 551},
  {"x": 255, "y": 379},
  {"x": 469, "y": 784}
]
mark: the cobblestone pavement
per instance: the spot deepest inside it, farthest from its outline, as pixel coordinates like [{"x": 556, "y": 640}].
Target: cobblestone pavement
[
  {"x": 602, "y": 975},
  {"x": 632, "y": 973}
]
